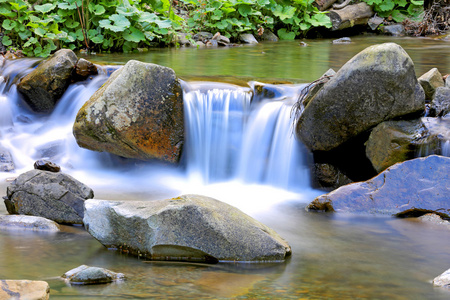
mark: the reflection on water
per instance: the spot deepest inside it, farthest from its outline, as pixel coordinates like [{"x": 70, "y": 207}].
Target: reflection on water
[
  {"x": 334, "y": 257},
  {"x": 284, "y": 60}
]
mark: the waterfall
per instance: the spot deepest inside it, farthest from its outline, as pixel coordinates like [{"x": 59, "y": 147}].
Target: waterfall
[{"x": 230, "y": 138}]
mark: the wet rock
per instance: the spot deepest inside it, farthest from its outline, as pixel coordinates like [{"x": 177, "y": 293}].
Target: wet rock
[
  {"x": 6, "y": 160},
  {"x": 28, "y": 222},
  {"x": 329, "y": 176},
  {"x": 24, "y": 289},
  {"x": 374, "y": 22},
  {"x": 412, "y": 188},
  {"x": 247, "y": 38},
  {"x": 202, "y": 36},
  {"x": 91, "y": 275},
  {"x": 137, "y": 113},
  {"x": 182, "y": 39},
  {"x": 376, "y": 85},
  {"x": 443, "y": 280},
  {"x": 396, "y": 141},
  {"x": 440, "y": 105},
  {"x": 343, "y": 40},
  {"x": 394, "y": 30},
  {"x": 84, "y": 69},
  {"x": 221, "y": 40},
  {"x": 46, "y": 165},
  {"x": 430, "y": 81},
  {"x": 43, "y": 87},
  {"x": 269, "y": 36},
  {"x": 55, "y": 196},
  {"x": 187, "y": 228},
  {"x": 435, "y": 219},
  {"x": 317, "y": 86}
]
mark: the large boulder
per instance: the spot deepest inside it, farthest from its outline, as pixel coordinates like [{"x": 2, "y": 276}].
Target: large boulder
[
  {"x": 137, "y": 113},
  {"x": 55, "y": 196},
  {"x": 376, "y": 85},
  {"x": 396, "y": 141},
  {"x": 189, "y": 228},
  {"x": 24, "y": 289},
  {"x": 43, "y": 87},
  {"x": 414, "y": 187}
]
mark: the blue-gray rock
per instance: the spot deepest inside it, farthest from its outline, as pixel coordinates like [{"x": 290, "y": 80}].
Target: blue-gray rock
[
  {"x": 376, "y": 85},
  {"x": 430, "y": 81},
  {"x": 91, "y": 275},
  {"x": 247, "y": 38},
  {"x": 186, "y": 228},
  {"x": 269, "y": 36},
  {"x": 28, "y": 222},
  {"x": 6, "y": 160},
  {"x": 394, "y": 30},
  {"x": 414, "y": 187},
  {"x": 440, "y": 105},
  {"x": 55, "y": 196}
]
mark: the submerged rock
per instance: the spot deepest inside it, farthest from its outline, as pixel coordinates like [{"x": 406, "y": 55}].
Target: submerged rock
[
  {"x": 44, "y": 86},
  {"x": 91, "y": 275},
  {"x": 376, "y": 85},
  {"x": 28, "y": 222},
  {"x": 187, "y": 228},
  {"x": 55, "y": 196},
  {"x": 24, "y": 289},
  {"x": 137, "y": 113},
  {"x": 396, "y": 141},
  {"x": 411, "y": 188}
]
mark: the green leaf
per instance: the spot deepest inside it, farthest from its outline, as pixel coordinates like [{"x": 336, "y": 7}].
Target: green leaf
[
  {"x": 120, "y": 23},
  {"x": 134, "y": 35},
  {"x": 97, "y": 39},
  {"x": 321, "y": 19},
  {"x": 98, "y": 10},
  {"x": 71, "y": 24},
  {"x": 398, "y": 16},
  {"x": 45, "y": 8},
  {"x": 283, "y": 34},
  {"x": 401, "y": 3},
  {"x": 217, "y": 15},
  {"x": 8, "y": 24},
  {"x": 6, "y": 12},
  {"x": 417, "y": 2},
  {"x": 6, "y": 41},
  {"x": 40, "y": 31},
  {"x": 386, "y": 6},
  {"x": 244, "y": 9},
  {"x": 285, "y": 12},
  {"x": 30, "y": 42},
  {"x": 24, "y": 35}
]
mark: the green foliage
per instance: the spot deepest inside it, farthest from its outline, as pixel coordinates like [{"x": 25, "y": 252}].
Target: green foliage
[
  {"x": 104, "y": 25},
  {"x": 398, "y": 10},
  {"x": 231, "y": 17}
]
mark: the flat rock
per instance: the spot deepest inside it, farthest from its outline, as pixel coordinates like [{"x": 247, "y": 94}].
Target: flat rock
[
  {"x": 414, "y": 187},
  {"x": 24, "y": 289},
  {"x": 186, "y": 228},
  {"x": 28, "y": 222}
]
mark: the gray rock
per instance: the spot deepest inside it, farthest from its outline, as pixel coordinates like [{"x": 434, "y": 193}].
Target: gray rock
[
  {"x": 24, "y": 289},
  {"x": 374, "y": 22},
  {"x": 328, "y": 176},
  {"x": 394, "y": 30},
  {"x": 396, "y": 141},
  {"x": 182, "y": 39},
  {"x": 137, "y": 113},
  {"x": 443, "y": 280},
  {"x": 430, "y": 81},
  {"x": 269, "y": 36},
  {"x": 55, "y": 196},
  {"x": 84, "y": 69},
  {"x": 91, "y": 275},
  {"x": 376, "y": 85},
  {"x": 203, "y": 36},
  {"x": 28, "y": 222},
  {"x": 46, "y": 165},
  {"x": 247, "y": 38},
  {"x": 44, "y": 86},
  {"x": 317, "y": 86},
  {"x": 188, "y": 228},
  {"x": 434, "y": 219},
  {"x": 447, "y": 82},
  {"x": 343, "y": 40},
  {"x": 6, "y": 161},
  {"x": 414, "y": 187},
  {"x": 440, "y": 105}
]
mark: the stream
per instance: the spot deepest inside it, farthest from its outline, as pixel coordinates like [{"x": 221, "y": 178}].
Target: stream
[{"x": 237, "y": 150}]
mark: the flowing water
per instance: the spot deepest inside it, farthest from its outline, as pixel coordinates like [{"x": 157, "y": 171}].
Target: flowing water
[{"x": 239, "y": 149}]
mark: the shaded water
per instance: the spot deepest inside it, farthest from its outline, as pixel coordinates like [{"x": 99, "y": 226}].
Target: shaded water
[{"x": 239, "y": 152}]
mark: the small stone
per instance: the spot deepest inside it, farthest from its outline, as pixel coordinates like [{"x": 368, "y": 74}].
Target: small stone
[
  {"x": 394, "y": 30},
  {"x": 247, "y": 38},
  {"x": 91, "y": 275},
  {"x": 443, "y": 280},
  {"x": 28, "y": 222},
  {"x": 46, "y": 165},
  {"x": 430, "y": 81},
  {"x": 343, "y": 40}
]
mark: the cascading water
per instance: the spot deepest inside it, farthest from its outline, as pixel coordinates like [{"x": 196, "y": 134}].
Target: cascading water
[{"x": 233, "y": 145}]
